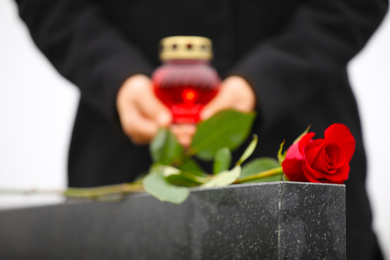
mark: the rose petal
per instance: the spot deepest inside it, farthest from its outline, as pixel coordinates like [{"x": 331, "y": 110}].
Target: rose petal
[
  {"x": 340, "y": 176},
  {"x": 293, "y": 169},
  {"x": 307, "y": 171},
  {"x": 305, "y": 140},
  {"x": 337, "y": 153},
  {"x": 310, "y": 172},
  {"x": 293, "y": 152},
  {"x": 338, "y": 131},
  {"x": 331, "y": 156},
  {"x": 315, "y": 154},
  {"x": 340, "y": 134},
  {"x": 292, "y": 165},
  {"x": 325, "y": 160}
]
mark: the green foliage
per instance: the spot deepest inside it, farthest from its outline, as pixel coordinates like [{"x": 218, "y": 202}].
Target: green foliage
[
  {"x": 156, "y": 184},
  {"x": 301, "y": 135},
  {"x": 175, "y": 170},
  {"x": 228, "y": 128},
  {"x": 192, "y": 166},
  {"x": 224, "y": 178},
  {"x": 281, "y": 156},
  {"x": 222, "y": 160},
  {"x": 259, "y": 166},
  {"x": 165, "y": 149},
  {"x": 248, "y": 151}
]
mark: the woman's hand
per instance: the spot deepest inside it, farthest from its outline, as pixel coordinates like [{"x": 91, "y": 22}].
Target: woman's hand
[
  {"x": 141, "y": 113},
  {"x": 235, "y": 93}
]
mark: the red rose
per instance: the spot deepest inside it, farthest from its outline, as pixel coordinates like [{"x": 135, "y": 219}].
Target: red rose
[{"x": 323, "y": 160}]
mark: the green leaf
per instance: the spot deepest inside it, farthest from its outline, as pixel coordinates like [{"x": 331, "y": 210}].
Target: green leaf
[
  {"x": 190, "y": 165},
  {"x": 224, "y": 178},
  {"x": 165, "y": 149},
  {"x": 301, "y": 135},
  {"x": 261, "y": 170},
  {"x": 222, "y": 160},
  {"x": 182, "y": 178},
  {"x": 258, "y": 165},
  {"x": 159, "y": 187},
  {"x": 228, "y": 128},
  {"x": 248, "y": 151},
  {"x": 167, "y": 170},
  {"x": 281, "y": 155}
]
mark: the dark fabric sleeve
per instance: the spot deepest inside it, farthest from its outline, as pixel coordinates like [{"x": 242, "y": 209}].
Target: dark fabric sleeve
[
  {"x": 84, "y": 47},
  {"x": 314, "y": 47}
]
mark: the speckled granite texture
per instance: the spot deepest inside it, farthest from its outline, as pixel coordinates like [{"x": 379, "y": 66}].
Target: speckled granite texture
[{"x": 279, "y": 220}]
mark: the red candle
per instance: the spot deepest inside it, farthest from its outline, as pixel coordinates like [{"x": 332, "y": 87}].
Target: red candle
[{"x": 186, "y": 81}]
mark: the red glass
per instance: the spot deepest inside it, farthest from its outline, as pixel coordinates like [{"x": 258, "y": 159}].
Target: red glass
[{"x": 185, "y": 87}]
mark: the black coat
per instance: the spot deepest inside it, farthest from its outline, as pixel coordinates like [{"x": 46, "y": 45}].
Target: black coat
[{"x": 294, "y": 53}]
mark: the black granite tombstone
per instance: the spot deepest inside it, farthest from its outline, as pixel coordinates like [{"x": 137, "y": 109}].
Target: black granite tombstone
[{"x": 279, "y": 220}]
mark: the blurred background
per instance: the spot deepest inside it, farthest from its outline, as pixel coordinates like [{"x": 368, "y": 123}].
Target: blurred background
[{"x": 37, "y": 108}]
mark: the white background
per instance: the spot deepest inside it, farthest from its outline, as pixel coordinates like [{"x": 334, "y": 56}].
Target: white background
[{"x": 37, "y": 108}]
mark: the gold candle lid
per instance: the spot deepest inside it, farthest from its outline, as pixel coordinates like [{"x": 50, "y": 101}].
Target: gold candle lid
[{"x": 185, "y": 47}]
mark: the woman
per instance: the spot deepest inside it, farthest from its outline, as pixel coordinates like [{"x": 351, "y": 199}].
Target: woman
[{"x": 285, "y": 59}]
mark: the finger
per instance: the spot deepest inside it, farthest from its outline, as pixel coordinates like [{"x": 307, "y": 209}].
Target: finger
[
  {"x": 235, "y": 93},
  {"x": 179, "y": 129},
  {"x": 141, "y": 130},
  {"x": 154, "y": 109},
  {"x": 184, "y": 133},
  {"x": 184, "y": 140},
  {"x": 221, "y": 101}
]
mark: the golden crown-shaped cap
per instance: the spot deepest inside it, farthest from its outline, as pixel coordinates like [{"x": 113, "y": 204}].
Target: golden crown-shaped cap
[{"x": 185, "y": 47}]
